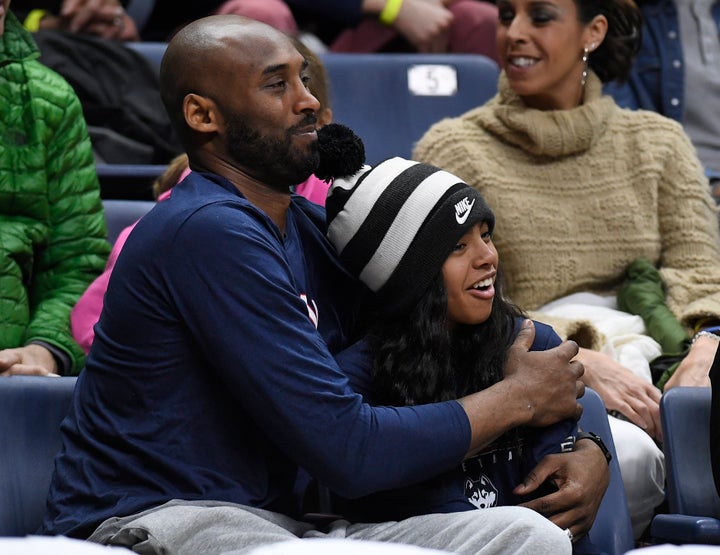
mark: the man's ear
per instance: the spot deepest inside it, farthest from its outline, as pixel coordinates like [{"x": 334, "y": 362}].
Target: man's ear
[{"x": 200, "y": 113}]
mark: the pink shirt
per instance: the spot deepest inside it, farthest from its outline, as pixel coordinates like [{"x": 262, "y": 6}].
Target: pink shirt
[{"x": 86, "y": 312}]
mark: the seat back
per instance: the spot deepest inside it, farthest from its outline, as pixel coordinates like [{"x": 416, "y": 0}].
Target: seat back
[
  {"x": 121, "y": 213},
  {"x": 153, "y": 51},
  {"x": 612, "y": 530},
  {"x": 390, "y": 100},
  {"x": 31, "y": 409},
  {"x": 685, "y": 418}
]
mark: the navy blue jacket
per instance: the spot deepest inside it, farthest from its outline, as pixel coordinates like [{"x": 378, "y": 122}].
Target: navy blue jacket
[
  {"x": 212, "y": 373},
  {"x": 484, "y": 481}
]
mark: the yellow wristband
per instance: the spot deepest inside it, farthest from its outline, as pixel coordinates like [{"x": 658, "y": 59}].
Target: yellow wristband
[
  {"x": 32, "y": 21},
  {"x": 390, "y": 12}
]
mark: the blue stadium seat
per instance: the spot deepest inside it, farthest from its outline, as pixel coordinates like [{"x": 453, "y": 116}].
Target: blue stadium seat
[
  {"x": 31, "y": 409},
  {"x": 612, "y": 530},
  {"x": 390, "y": 100},
  {"x": 153, "y": 51},
  {"x": 693, "y": 503},
  {"x": 128, "y": 181},
  {"x": 121, "y": 213}
]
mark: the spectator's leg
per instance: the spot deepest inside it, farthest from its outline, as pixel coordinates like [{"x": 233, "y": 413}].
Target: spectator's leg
[
  {"x": 203, "y": 527},
  {"x": 500, "y": 530},
  {"x": 273, "y": 12},
  {"x": 474, "y": 28}
]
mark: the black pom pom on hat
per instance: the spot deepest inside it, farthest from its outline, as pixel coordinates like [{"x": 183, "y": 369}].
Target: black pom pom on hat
[{"x": 342, "y": 152}]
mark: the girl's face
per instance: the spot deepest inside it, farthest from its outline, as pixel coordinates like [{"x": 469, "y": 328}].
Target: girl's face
[
  {"x": 469, "y": 275},
  {"x": 541, "y": 43}
]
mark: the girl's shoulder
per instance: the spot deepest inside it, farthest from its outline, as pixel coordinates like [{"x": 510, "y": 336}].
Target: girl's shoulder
[{"x": 545, "y": 336}]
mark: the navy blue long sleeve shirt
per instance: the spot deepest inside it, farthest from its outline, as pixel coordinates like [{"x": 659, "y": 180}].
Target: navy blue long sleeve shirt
[{"x": 212, "y": 373}]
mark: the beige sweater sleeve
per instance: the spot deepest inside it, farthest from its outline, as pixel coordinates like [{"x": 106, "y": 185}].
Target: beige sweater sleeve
[{"x": 690, "y": 263}]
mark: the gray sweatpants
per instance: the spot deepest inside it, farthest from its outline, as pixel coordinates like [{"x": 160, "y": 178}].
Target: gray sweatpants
[{"x": 214, "y": 528}]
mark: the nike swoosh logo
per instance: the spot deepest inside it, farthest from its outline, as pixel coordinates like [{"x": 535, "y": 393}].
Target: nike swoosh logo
[{"x": 462, "y": 219}]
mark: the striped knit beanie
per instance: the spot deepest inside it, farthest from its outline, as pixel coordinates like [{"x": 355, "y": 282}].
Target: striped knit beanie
[{"x": 395, "y": 225}]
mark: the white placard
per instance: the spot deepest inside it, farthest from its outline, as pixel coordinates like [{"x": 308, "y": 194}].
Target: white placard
[{"x": 432, "y": 80}]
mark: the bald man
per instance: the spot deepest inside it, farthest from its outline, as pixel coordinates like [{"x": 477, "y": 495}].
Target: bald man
[{"x": 212, "y": 379}]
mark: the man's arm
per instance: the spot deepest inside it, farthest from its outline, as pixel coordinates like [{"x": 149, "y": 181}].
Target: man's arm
[{"x": 539, "y": 389}]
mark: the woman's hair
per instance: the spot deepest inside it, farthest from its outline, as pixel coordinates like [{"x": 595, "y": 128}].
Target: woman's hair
[
  {"x": 612, "y": 60},
  {"x": 420, "y": 359},
  {"x": 169, "y": 178}
]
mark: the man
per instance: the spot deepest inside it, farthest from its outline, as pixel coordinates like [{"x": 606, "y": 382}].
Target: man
[
  {"x": 211, "y": 378},
  {"x": 52, "y": 229}
]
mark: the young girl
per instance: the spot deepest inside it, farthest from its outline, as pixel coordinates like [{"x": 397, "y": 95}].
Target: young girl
[{"x": 438, "y": 327}]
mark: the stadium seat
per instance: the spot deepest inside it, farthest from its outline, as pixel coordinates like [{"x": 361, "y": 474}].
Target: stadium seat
[
  {"x": 121, "y": 213},
  {"x": 693, "y": 503},
  {"x": 31, "y": 409},
  {"x": 390, "y": 100},
  {"x": 128, "y": 181},
  {"x": 153, "y": 51},
  {"x": 612, "y": 530}
]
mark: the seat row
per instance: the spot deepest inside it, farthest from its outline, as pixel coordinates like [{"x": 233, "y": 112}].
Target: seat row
[
  {"x": 32, "y": 408},
  {"x": 389, "y": 100}
]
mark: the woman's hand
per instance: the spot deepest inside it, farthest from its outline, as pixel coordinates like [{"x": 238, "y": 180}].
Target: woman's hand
[
  {"x": 694, "y": 368},
  {"x": 621, "y": 390}
]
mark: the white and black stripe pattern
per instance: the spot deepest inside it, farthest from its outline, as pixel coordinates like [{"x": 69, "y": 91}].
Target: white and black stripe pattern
[{"x": 393, "y": 226}]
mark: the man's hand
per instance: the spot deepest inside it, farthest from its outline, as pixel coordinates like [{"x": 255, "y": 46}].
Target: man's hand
[
  {"x": 621, "y": 390},
  {"x": 694, "y": 369},
  {"x": 581, "y": 478},
  {"x": 31, "y": 360},
  {"x": 548, "y": 381},
  {"x": 539, "y": 389}
]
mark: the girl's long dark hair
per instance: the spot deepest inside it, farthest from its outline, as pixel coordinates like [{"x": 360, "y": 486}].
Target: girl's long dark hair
[{"x": 420, "y": 359}]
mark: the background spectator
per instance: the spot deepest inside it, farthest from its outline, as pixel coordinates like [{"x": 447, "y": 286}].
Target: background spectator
[
  {"x": 605, "y": 186},
  {"x": 677, "y": 73},
  {"x": 400, "y": 26},
  {"x": 52, "y": 226}
]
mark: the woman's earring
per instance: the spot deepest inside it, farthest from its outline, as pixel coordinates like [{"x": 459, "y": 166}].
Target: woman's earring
[{"x": 586, "y": 52}]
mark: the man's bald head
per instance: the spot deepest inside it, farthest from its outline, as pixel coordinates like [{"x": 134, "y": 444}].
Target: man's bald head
[{"x": 203, "y": 56}]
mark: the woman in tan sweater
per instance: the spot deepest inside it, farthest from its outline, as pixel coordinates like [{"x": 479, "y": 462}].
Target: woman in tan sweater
[{"x": 581, "y": 189}]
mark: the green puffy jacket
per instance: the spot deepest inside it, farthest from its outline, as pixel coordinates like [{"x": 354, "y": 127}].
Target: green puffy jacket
[{"x": 52, "y": 226}]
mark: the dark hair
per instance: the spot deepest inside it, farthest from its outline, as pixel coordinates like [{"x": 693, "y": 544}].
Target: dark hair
[
  {"x": 612, "y": 60},
  {"x": 420, "y": 359}
]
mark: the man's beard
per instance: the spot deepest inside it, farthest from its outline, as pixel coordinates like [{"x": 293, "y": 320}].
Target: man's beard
[{"x": 271, "y": 160}]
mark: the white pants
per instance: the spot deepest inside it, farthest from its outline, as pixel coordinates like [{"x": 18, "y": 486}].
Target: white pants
[{"x": 642, "y": 466}]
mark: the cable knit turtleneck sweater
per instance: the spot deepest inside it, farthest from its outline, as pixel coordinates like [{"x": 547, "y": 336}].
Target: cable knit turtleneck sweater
[{"x": 579, "y": 194}]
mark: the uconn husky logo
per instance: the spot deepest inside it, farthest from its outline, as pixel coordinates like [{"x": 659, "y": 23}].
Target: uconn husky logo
[
  {"x": 462, "y": 210},
  {"x": 481, "y": 493}
]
